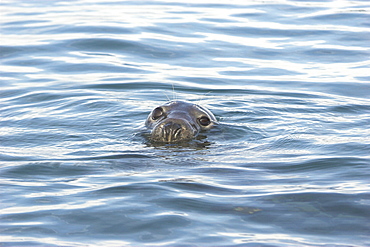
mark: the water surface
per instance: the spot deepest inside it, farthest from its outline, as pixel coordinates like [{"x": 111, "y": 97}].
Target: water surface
[{"x": 288, "y": 81}]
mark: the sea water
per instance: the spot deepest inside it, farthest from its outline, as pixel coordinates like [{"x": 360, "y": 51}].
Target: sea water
[{"x": 288, "y": 165}]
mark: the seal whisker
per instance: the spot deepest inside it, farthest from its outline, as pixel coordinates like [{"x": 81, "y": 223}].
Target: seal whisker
[
  {"x": 174, "y": 96},
  {"x": 168, "y": 98}
]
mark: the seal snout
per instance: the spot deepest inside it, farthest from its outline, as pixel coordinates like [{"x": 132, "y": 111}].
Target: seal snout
[{"x": 173, "y": 130}]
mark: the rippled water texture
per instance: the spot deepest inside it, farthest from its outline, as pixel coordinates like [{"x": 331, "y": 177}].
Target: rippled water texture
[{"x": 288, "y": 81}]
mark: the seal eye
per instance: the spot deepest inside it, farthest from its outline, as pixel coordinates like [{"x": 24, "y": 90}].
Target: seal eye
[
  {"x": 204, "y": 121},
  {"x": 157, "y": 113}
]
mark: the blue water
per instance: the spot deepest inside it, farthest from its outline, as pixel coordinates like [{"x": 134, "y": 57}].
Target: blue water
[{"x": 289, "y": 82}]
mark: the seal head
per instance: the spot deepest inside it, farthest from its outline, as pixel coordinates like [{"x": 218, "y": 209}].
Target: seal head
[{"x": 179, "y": 121}]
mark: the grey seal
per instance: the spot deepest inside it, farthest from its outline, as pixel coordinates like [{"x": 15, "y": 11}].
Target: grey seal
[{"x": 178, "y": 121}]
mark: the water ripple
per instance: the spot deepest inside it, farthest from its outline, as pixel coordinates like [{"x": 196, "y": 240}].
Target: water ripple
[{"x": 288, "y": 82}]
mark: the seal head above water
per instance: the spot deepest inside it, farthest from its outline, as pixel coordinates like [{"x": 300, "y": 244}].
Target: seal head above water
[{"x": 179, "y": 121}]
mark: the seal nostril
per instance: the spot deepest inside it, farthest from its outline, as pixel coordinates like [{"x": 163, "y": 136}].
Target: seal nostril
[
  {"x": 172, "y": 131},
  {"x": 177, "y": 133}
]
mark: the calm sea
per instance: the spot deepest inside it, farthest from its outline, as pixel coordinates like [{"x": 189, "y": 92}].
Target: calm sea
[{"x": 289, "y": 164}]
